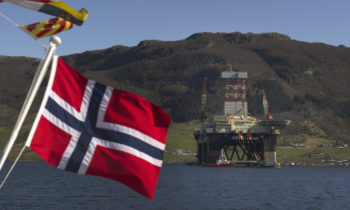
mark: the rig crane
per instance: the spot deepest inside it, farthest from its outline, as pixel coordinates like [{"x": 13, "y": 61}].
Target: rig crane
[{"x": 266, "y": 106}]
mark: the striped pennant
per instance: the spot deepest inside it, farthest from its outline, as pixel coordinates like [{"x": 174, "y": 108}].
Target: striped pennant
[{"x": 47, "y": 27}]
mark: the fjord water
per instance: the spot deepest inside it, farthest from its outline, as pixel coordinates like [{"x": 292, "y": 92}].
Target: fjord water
[{"x": 36, "y": 185}]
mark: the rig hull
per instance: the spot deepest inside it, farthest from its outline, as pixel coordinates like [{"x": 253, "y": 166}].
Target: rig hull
[{"x": 241, "y": 141}]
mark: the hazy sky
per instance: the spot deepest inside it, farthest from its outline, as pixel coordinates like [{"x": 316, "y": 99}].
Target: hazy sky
[{"x": 114, "y": 22}]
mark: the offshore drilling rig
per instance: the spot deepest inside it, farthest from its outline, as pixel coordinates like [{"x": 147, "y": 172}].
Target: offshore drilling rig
[{"x": 234, "y": 137}]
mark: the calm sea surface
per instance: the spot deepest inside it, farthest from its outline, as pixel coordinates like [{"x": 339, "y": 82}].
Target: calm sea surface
[{"x": 36, "y": 185}]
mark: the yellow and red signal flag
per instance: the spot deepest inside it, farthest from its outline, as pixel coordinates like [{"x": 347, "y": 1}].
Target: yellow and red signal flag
[
  {"x": 47, "y": 27},
  {"x": 55, "y": 8}
]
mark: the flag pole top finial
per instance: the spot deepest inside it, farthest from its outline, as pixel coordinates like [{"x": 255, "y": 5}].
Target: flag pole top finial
[{"x": 55, "y": 40}]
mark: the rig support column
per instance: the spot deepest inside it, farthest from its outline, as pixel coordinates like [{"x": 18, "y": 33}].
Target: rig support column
[{"x": 270, "y": 150}]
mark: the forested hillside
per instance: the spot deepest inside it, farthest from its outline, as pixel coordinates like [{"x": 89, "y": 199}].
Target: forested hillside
[{"x": 307, "y": 83}]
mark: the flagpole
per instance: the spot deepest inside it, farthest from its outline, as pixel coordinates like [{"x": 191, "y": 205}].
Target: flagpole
[{"x": 54, "y": 42}]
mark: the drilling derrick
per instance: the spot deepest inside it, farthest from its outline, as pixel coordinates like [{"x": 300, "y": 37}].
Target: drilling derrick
[
  {"x": 235, "y": 136},
  {"x": 235, "y": 93}
]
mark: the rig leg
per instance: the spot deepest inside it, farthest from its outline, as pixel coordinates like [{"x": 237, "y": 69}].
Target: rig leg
[{"x": 270, "y": 151}]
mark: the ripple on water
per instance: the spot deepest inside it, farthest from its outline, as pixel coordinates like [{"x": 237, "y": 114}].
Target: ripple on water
[{"x": 181, "y": 187}]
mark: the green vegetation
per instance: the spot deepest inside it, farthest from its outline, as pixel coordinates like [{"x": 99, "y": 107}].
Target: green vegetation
[
  {"x": 28, "y": 154},
  {"x": 4, "y": 135},
  {"x": 307, "y": 83},
  {"x": 312, "y": 156},
  {"x": 180, "y": 136}
]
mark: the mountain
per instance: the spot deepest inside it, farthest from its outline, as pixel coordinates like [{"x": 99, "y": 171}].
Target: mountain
[{"x": 307, "y": 83}]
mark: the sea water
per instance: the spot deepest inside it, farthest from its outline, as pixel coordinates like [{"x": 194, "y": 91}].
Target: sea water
[{"x": 36, "y": 185}]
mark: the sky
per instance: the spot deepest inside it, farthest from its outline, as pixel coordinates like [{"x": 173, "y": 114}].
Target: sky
[{"x": 116, "y": 22}]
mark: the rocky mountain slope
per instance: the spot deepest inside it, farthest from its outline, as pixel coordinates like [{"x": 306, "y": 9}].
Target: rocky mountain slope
[{"x": 307, "y": 83}]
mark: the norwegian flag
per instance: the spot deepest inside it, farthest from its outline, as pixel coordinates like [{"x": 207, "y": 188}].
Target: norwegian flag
[{"x": 89, "y": 128}]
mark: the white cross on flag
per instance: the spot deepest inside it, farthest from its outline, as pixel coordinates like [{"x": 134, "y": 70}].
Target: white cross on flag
[{"x": 89, "y": 128}]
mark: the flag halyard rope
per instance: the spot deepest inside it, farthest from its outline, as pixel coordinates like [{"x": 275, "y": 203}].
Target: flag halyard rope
[
  {"x": 13, "y": 165},
  {"x": 18, "y": 26},
  {"x": 9, "y": 20},
  {"x": 37, "y": 80},
  {"x": 26, "y": 100}
]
